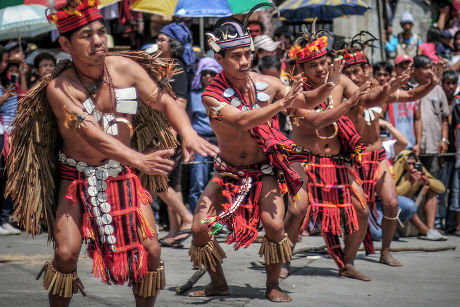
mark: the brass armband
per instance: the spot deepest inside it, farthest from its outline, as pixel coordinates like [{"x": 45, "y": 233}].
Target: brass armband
[{"x": 214, "y": 112}]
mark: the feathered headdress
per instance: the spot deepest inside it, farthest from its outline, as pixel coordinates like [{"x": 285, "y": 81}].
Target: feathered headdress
[
  {"x": 315, "y": 44},
  {"x": 353, "y": 51},
  {"x": 75, "y": 14},
  {"x": 235, "y": 34}
]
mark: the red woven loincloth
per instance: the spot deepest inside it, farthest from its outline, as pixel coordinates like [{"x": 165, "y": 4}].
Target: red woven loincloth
[
  {"x": 329, "y": 192},
  {"x": 241, "y": 187},
  {"x": 369, "y": 173},
  {"x": 125, "y": 195}
]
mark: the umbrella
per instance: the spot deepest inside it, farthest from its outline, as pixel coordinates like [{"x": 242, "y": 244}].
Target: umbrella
[
  {"x": 23, "y": 21},
  {"x": 163, "y": 8},
  {"x": 7, "y": 3},
  {"x": 57, "y": 3},
  {"x": 206, "y": 8},
  {"x": 299, "y": 10},
  {"x": 194, "y": 8}
]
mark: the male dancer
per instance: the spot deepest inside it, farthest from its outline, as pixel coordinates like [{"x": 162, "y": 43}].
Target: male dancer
[
  {"x": 94, "y": 105},
  {"x": 252, "y": 169},
  {"x": 327, "y": 142},
  {"x": 374, "y": 169}
]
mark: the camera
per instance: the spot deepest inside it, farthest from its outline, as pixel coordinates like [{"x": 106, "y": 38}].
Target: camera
[
  {"x": 418, "y": 166},
  {"x": 13, "y": 79}
]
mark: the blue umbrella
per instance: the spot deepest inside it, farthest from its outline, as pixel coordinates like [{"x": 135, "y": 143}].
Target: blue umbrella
[
  {"x": 300, "y": 10},
  {"x": 214, "y": 8}
]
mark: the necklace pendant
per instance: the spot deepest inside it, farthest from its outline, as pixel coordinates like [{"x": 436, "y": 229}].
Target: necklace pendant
[{"x": 92, "y": 88}]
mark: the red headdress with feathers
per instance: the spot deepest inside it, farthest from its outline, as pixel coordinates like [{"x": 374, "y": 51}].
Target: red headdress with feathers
[
  {"x": 316, "y": 44},
  {"x": 353, "y": 51},
  {"x": 75, "y": 14}
]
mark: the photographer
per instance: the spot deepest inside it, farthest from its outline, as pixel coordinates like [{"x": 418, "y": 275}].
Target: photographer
[{"x": 414, "y": 181}]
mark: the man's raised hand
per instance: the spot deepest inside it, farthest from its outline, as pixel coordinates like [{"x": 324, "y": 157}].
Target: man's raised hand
[
  {"x": 335, "y": 72},
  {"x": 296, "y": 88}
]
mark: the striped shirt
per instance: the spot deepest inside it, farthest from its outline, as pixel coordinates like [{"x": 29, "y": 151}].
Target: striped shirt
[{"x": 8, "y": 111}]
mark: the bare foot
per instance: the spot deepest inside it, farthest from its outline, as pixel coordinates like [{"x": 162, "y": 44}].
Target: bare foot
[
  {"x": 211, "y": 290},
  {"x": 285, "y": 268},
  {"x": 351, "y": 272},
  {"x": 277, "y": 295},
  {"x": 387, "y": 258}
]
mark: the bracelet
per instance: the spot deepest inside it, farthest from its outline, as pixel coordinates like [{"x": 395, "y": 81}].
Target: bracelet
[
  {"x": 445, "y": 141},
  {"x": 397, "y": 95}
]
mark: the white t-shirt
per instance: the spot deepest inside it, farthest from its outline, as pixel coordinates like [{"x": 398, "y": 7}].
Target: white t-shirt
[{"x": 389, "y": 146}]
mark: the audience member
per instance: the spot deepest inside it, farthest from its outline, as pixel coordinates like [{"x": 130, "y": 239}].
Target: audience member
[
  {"x": 414, "y": 181},
  {"x": 201, "y": 169},
  {"x": 264, "y": 45},
  {"x": 44, "y": 63},
  {"x": 454, "y": 135},
  {"x": 444, "y": 49},
  {"x": 405, "y": 42},
  {"x": 429, "y": 47},
  {"x": 447, "y": 163},
  {"x": 8, "y": 108},
  {"x": 256, "y": 28},
  {"x": 174, "y": 41},
  {"x": 434, "y": 110},
  {"x": 405, "y": 116},
  {"x": 285, "y": 35},
  {"x": 382, "y": 72}
]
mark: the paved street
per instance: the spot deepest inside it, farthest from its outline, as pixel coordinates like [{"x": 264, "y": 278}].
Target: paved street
[{"x": 426, "y": 279}]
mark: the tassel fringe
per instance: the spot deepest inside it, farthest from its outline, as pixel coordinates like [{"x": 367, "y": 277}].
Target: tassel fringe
[
  {"x": 60, "y": 284},
  {"x": 151, "y": 283},
  {"x": 276, "y": 252},
  {"x": 207, "y": 256}
]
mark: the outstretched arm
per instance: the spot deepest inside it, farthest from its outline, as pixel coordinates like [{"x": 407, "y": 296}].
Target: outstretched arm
[
  {"x": 148, "y": 91},
  {"x": 327, "y": 117},
  {"x": 422, "y": 90}
]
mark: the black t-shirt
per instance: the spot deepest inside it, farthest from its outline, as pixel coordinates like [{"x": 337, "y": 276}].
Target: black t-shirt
[{"x": 181, "y": 82}]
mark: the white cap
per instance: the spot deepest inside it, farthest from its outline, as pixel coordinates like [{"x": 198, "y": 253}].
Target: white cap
[
  {"x": 265, "y": 42},
  {"x": 407, "y": 17}
]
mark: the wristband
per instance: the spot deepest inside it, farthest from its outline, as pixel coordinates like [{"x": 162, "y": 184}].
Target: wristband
[{"x": 445, "y": 141}]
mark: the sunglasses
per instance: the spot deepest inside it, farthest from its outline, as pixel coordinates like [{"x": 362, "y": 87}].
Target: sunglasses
[{"x": 208, "y": 72}]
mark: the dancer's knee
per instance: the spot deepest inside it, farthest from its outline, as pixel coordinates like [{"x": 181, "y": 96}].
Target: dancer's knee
[
  {"x": 66, "y": 258},
  {"x": 153, "y": 250},
  {"x": 362, "y": 211},
  {"x": 297, "y": 211},
  {"x": 274, "y": 230},
  {"x": 390, "y": 207},
  {"x": 200, "y": 233}
]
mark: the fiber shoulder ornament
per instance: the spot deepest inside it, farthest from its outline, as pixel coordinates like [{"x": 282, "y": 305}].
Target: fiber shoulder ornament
[{"x": 33, "y": 181}]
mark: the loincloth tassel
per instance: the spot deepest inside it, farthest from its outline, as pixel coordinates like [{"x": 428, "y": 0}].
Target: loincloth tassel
[
  {"x": 61, "y": 284},
  {"x": 276, "y": 252},
  {"x": 151, "y": 283},
  {"x": 207, "y": 256}
]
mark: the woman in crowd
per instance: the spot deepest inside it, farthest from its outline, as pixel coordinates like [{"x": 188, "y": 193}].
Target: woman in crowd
[{"x": 174, "y": 41}]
